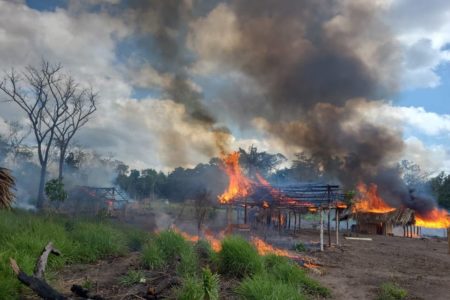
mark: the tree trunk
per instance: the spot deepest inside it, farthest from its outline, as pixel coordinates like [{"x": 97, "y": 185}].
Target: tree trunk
[
  {"x": 62, "y": 153},
  {"x": 40, "y": 199}
]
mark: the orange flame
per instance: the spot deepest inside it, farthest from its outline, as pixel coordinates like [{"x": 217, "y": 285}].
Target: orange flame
[
  {"x": 436, "y": 218},
  {"x": 266, "y": 204},
  {"x": 239, "y": 185},
  {"x": 264, "y": 248},
  {"x": 370, "y": 201}
]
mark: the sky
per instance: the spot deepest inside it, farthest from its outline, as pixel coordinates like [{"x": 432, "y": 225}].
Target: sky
[{"x": 103, "y": 44}]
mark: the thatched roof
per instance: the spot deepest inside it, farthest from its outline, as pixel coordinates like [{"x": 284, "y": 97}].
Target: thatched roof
[
  {"x": 6, "y": 185},
  {"x": 400, "y": 216}
]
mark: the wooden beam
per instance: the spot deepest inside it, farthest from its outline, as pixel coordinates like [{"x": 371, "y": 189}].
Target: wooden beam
[
  {"x": 321, "y": 229},
  {"x": 337, "y": 226}
]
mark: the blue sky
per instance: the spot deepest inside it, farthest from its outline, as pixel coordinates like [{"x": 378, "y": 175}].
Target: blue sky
[{"x": 103, "y": 49}]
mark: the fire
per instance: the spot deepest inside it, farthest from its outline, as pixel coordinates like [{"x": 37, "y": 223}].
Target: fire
[
  {"x": 436, "y": 218},
  {"x": 264, "y": 248},
  {"x": 239, "y": 185},
  {"x": 370, "y": 201},
  {"x": 266, "y": 204}
]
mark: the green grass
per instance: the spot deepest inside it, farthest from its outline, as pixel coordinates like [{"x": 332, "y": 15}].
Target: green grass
[
  {"x": 285, "y": 270},
  {"x": 391, "y": 291},
  {"x": 132, "y": 277},
  {"x": 238, "y": 258},
  {"x": 169, "y": 249},
  {"x": 24, "y": 235},
  {"x": 204, "y": 288},
  {"x": 262, "y": 286}
]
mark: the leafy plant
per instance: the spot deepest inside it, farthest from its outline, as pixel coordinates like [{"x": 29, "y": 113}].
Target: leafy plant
[
  {"x": 54, "y": 189},
  {"x": 191, "y": 289}
]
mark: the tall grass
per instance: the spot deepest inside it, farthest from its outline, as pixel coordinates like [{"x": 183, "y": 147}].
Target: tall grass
[
  {"x": 169, "y": 249},
  {"x": 23, "y": 236},
  {"x": 238, "y": 258}
]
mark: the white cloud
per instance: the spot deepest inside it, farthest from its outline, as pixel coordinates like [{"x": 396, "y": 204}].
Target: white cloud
[{"x": 423, "y": 29}]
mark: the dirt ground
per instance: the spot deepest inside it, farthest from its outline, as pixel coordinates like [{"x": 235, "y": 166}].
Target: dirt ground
[{"x": 357, "y": 268}]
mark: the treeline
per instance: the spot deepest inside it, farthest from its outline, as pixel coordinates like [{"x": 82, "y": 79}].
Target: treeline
[{"x": 185, "y": 183}]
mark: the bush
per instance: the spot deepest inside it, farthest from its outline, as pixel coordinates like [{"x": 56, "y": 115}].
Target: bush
[
  {"x": 263, "y": 286},
  {"x": 238, "y": 258},
  {"x": 391, "y": 291},
  {"x": 285, "y": 270},
  {"x": 206, "y": 255}
]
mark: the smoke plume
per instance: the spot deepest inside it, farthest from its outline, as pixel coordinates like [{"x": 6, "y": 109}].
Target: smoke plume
[{"x": 311, "y": 69}]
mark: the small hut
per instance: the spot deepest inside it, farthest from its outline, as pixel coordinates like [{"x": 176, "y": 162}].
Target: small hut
[{"x": 382, "y": 223}]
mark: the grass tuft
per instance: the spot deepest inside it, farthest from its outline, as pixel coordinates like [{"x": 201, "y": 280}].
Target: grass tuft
[
  {"x": 262, "y": 286},
  {"x": 238, "y": 258},
  {"x": 285, "y": 270},
  {"x": 132, "y": 277},
  {"x": 391, "y": 291},
  {"x": 168, "y": 249}
]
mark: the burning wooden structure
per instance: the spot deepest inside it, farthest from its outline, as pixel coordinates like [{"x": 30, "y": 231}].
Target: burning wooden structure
[{"x": 95, "y": 200}]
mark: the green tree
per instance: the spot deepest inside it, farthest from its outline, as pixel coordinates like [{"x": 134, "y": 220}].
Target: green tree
[{"x": 440, "y": 186}]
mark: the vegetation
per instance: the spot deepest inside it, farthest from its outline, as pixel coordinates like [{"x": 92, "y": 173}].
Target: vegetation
[
  {"x": 440, "y": 186},
  {"x": 132, "y": 277},
  {"x": 54, "y": 189},
  {"x": 391, "y": 291},
  {"x": 25, "y": 234},
  {"x": 262, "y": 286},
  {"x": 169, "y": 249},
  {"x": 238, "y": 258}
]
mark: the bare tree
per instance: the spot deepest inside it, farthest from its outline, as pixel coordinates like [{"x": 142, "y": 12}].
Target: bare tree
[
  {"x": 44, "y": 94},
  {"x": 80, "y": 107},
  {"x": 17, "y": 134}
]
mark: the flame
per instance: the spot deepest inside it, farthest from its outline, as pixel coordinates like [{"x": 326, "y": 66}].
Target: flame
[
  {"x": 264, "y": 248},
  {"x": 436, "y": 218},
  {"x": 312, "y": 209},
  {"x": 370, "y": 201},
  {"x": 266, "y": 204},
  {"x": 239, "y": 185}
]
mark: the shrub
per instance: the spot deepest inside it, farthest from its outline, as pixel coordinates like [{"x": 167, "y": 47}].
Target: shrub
[
  {"x": 152, "y": 256},
  {"x": 263, "y": 286},
  {"x": 238, "y": 258},
  {"x": 391, "y": 291}
]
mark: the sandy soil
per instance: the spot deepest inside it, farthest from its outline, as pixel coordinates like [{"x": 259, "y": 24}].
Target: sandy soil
[{"x": 356, "y": 269}]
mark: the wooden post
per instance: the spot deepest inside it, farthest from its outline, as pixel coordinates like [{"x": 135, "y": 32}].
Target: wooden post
[
  {"x": 245, "y": 211},
  {"x": 299, "y": 221},
  {"x": 279, "y": 220},
  {"x": 337, "y": 226},
  {"x": 289, "y": 220},
  {"x": 295, "y": 221},
  {"x": 448, "y": 239},
  {"x": 228, "y": 214},
  {"x": 321, "y": 229},
  {"x": 329, "y": 216}
]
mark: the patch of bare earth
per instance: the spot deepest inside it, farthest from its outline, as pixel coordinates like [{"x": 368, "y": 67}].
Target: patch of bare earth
[{"x": 357, "y": 268}]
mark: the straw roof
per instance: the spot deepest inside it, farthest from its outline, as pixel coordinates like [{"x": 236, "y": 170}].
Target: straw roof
[
  {"x": 400, "y": 216},
  {"x": 6, "y": 185}
]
